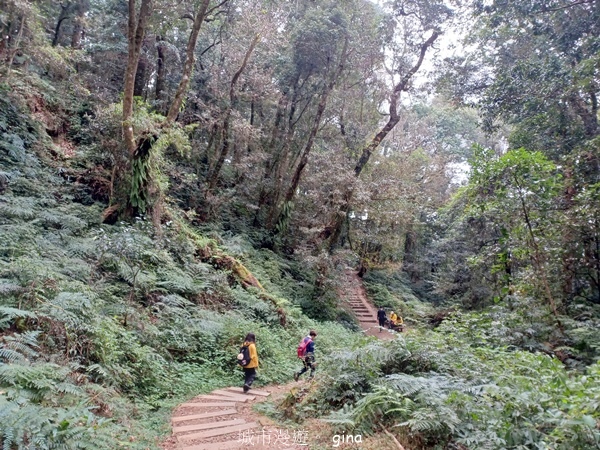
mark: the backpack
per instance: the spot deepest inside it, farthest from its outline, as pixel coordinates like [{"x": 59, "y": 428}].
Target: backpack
[
  {"x": 302, "y": 347},
  {"x": 243, "y": 357}
]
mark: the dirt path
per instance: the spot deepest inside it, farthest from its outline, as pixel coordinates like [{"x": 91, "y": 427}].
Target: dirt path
[{"x": 225, "y": 419}]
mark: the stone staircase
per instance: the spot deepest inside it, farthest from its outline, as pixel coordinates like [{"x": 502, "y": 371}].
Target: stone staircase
[
  {"x": 214, "y": 422},
  {"x": 353, "y": 292}
]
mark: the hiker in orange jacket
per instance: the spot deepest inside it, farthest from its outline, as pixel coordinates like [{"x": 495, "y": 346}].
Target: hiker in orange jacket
[{"x": 250, "y": 368}]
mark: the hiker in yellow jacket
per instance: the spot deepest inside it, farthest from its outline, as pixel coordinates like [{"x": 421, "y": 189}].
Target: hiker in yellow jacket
[
  {"x": 250, "y": 368},
  {"x": 396, "y": 322}
]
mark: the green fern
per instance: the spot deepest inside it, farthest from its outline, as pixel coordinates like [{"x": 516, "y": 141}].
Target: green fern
[
  {"x": 19, "y": 348},
  {"x": 7, "y": 288},
  {"x": 8, "y": 315},
  {"x": 23, "y": 208},
  {"x": 27, "y": 426}
]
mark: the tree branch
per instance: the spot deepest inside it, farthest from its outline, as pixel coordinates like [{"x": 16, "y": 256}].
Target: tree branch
[{"x": 580, "y": 2}]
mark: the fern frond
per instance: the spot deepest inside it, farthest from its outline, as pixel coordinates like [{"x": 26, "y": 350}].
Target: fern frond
[
  {"x": 7, "y": 287},
  {"x": 19, "y": 347},
  {"x": 174, "y": 301},
  {"x": 8, "y": 315},
  {"x": 19, "y": 208},
  {"x": 11, "y": 356},
  {"x": 70, "y": 308},
  {"x": 98, "y": 370}
]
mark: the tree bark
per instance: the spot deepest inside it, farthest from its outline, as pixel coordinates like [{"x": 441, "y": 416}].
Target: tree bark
[
  {"x": 275, "y": 169},
  {"x": 140, "y": 77},
  {"x": 538, "y": 259},
  {"x": 161, "y": 75},
  {"x": 135, "y": 36},
  {"x": 588, "y": 114},
  {"x": 12, "y": 52},
  {"x": 81, "y": 7},
  {"x": 225, "y": 143},
  {"x": 276, "y": 132},
  {"x": 64, "y": 15},
  {"x": 189, "y": 62},
  {"x": 394, "y": 117},
  {"x": 291, "y": 191}
]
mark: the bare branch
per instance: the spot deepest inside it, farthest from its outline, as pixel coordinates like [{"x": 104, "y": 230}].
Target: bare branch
[{"x": 570, "y": 5}]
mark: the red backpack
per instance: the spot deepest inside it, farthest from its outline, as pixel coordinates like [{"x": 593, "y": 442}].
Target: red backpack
[{"x": 302, "y": 347}]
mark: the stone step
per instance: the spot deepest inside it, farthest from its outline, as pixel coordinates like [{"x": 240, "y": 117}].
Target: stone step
[
  {"x": 233, "y": 395},
  {"x": 207, "y": 415},
  {"x": 218, "y": 431},
  {"x": 227, "y": 445},
  {"x": 207, "y": 426},
  {"x": 253, "y": 391},
  {"x": 219, "y": 397},
  {"x": 208, "y": 405}
]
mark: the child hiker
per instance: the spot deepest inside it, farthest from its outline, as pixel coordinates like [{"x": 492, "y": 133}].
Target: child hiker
[{"x": 306, "y": 352}]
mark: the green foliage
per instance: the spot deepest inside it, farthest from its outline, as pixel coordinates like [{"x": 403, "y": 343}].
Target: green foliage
[
  {"x": 447, "y": 388},
  {"x": 104, "y": 328},
  {"x": 392, "y": 290}
]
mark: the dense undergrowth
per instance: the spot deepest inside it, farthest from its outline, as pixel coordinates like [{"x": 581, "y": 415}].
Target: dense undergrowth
[
  {"x": 104, "y": 328},
  {"x": 484, "y": 380},
  {"x": 443, "y": 390}
]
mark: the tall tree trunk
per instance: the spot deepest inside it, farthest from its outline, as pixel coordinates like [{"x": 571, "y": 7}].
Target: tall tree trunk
[
  {"x": 368, "y": 150},
  {"x": 568, "y": 255},
  {"x": 588, "y": 114},
  {"x": 269, "y": 164},
  {"x": 189, "y": 62},
  {"x": 13, "y": 51},
  {"x": 269, "y": 194},
  {"x": 225, "y": 142},
  {"x": 538, "y": 258},
  {"x": 64, "y": 15},
  {"x": 135, "y": 35},
  {"x": 139, "y": 84},
  {"x": 161, "y": 74},
  {"x": 291, "y": 191},
  {"x": 81, "y": 8}
]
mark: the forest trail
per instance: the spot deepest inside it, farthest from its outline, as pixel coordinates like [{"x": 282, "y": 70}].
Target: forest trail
[
  {"x": 354, "y": 293},
  {"x": 224, "y": 419}
]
